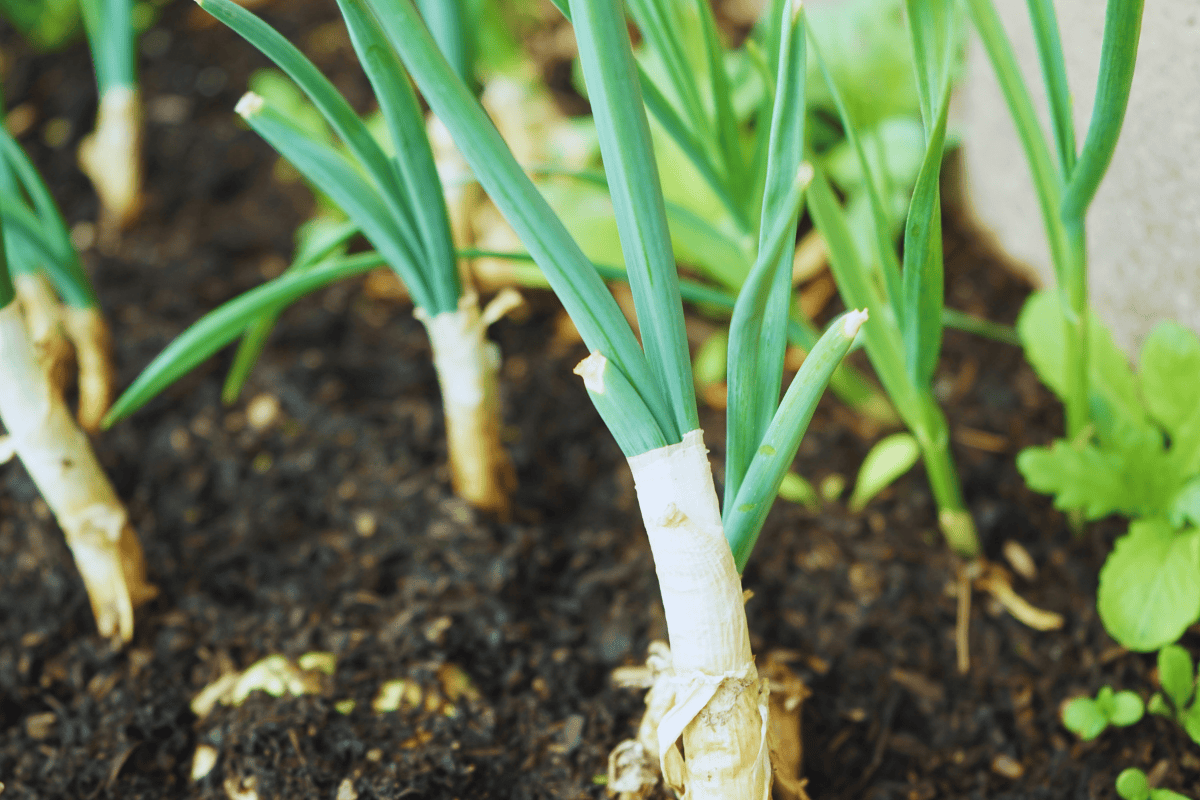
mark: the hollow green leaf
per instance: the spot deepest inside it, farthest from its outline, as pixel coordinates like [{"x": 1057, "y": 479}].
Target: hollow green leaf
[
  {"x": 317, "y": 240},
  {"x": 758, "y": 328},
  {"x": 1176, "y": 674},
  {"x": 413, "y": 162},
  {"x": 574, "y": 279},
  {"x": 1118, "y": 54},
  {"x": 619, "y": 404},
  {"x": 336, "y": 176},
  {"x": 1054, "y": 76},
  {"x": 111, "y": 36},
  {"x": 609, "y": 69},
  {"x": 885, "y": 348},
  {"x": 364, "y": 148},
  {"x": 1150, "y": 585},
  {"x": 1084, "y": 718},
  {"x": 744, "y": 519},
  {"x": 885, "y": 250},
  {"x": 449, "y": 22},
  {"x": 891, "y": 457},
  {"x": 922, "y": 279},
  {"x": 221, "y": 326},
  {"x": 1047, "y": 180}
]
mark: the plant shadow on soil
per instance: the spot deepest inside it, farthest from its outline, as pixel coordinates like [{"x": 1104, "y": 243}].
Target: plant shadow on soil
[{"x": 333, "y": 529}]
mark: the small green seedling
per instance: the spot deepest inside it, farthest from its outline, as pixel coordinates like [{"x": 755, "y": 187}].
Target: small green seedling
[
  {"x": 1140, "y": 459},
  {"x": 1088, "y": 718},
  {"x": 1132, "y": 784},
  {"x": 905, "y": 298},
  {"x": 1178, "y": 700},
  {"x": 891, "y": 457}
]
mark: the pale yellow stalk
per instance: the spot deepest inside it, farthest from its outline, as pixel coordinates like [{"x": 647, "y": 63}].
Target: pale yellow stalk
[
  {"x": 111, "y": 156},
  {"x": 466, "y": 364},
  {"x": 59, "y": 458}
]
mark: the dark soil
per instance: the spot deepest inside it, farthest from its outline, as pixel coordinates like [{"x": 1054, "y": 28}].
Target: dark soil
[{"x": 333, "y": 529}]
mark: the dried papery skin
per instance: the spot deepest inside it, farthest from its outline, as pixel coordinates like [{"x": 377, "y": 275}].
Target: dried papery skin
[
  {"x": 90, "y": 334},
  {"x": 720, "y": 706},
  {"x": 59, "y": 458},
  {"x": 788, "y": 693},
  {"x": 466, "y": 364},
  {"x": 111, "y": 156}
]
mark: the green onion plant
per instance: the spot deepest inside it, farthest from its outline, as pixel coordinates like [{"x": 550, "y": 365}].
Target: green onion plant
[
  {"x": 905, "y": 298},
  {"x": 397, "y": 203},
  {"x": 1066, "y": 177},
  {"x": 644, "y": 391},
  {"x": 37, "y": 260},
  {"x": 111, "y": 155},
  {"x": 696, "y": 90}
]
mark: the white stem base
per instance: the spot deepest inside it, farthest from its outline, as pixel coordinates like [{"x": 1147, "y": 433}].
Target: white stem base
[
  {"x": 466, "y": 364},
  {"x": 59, "y": 458},
  {"x": 719, "y": 705}
]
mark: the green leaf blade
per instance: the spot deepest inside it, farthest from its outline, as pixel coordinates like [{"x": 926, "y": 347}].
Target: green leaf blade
[
  {"x": 624, "y": 134},
  {"x": 221, "y": 326},
  {"x": 330, "y": 171},
  {"x": 574, "y": 279},
  {"x": 419, "y": 184},
  {"x": 759, "y": 327},
  {"x": 1118, "y": 54},
  {"x": 744, "y": 518}
]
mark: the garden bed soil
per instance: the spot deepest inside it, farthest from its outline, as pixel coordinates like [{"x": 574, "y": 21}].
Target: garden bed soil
[{"x": 332, "y": 528}]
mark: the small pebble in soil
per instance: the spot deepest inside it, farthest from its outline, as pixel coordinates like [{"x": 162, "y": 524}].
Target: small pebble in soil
[
  {"x": 262, "y": 412},
  {"x": 1007, "y": 766},
  {"x": 204, "y": 759}
]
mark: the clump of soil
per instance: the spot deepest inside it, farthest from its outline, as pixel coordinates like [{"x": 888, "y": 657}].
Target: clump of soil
[{"x": 329, "y": 526}]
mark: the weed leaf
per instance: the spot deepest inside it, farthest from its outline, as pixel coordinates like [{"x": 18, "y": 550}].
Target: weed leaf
[
  {"x": 1176, "y": 675},
  {"x": 1041, "y": 328},
  {"x": 1150, "y": 585},
  {"x": 1097, "y": 482},
  {"x": 1083, "y": 717}
]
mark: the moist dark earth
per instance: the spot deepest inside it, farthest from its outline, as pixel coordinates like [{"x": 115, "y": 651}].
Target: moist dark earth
[{"x": 333, "y": 529}]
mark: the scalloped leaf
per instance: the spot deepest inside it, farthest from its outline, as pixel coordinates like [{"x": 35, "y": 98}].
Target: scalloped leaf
[{"x": 1099, "y": 483}]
